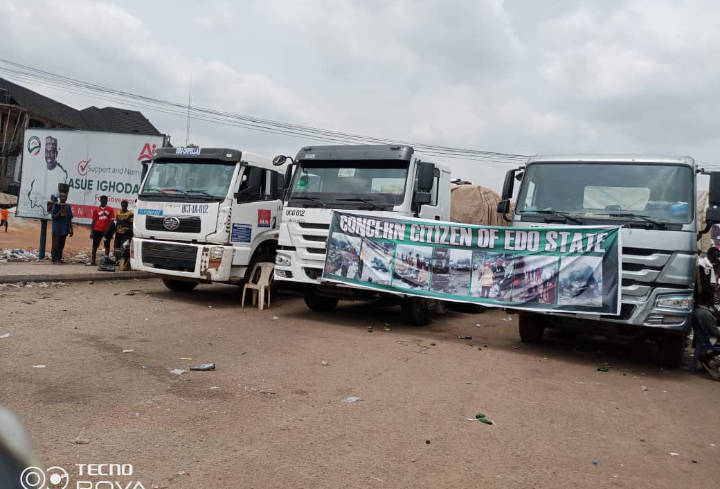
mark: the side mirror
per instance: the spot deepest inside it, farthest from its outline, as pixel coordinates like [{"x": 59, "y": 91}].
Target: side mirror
[
  {"x": 279, "y": 160},
  {"x": 277, "y": 185},
  {"x": 503, "y": 207},
  {"x": 426, "y": 177},
  {"x": 422, "y": 198},
  {"x": 714, "y": 189},
  {"x": 509, "y": 185},
  {"x": 288, "y": 180}
]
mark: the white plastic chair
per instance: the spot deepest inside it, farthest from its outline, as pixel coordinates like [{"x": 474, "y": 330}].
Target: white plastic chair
[{"x": 259, "y": 282}]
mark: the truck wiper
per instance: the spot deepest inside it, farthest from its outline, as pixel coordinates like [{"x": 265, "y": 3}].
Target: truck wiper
[
  {"x": 358, "y": 199},
  {"x": 655, "y": 222},
  {"x": 155, "y": 190},
  {"x": 311, "y": 199},
  {"x": 566, "y": 215},
  {"x": 202, "y": 192}
]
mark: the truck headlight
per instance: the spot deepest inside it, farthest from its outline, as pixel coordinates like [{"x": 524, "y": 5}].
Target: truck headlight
[
  {"x": 282, "y": 260},
  {"x": 216, "y": 253},
  {"x": 675, "y": 302}
]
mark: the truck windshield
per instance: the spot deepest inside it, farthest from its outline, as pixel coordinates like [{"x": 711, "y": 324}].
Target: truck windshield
[
  {"x": 629, "y": 192},
  {"x": 350, "y": 183},
  {"x": 188, "y": 179}
]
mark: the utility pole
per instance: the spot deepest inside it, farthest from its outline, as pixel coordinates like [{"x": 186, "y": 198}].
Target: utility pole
[{"x": 187, "y": 127}]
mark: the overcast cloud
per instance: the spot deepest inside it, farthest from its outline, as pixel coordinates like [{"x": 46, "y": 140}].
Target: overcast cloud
[{"x": 517, "y": 76}]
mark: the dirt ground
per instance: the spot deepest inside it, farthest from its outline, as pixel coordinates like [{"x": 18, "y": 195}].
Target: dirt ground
[
  {"x": 272, "y": 415},
  {"x": 25, "y": 234}
]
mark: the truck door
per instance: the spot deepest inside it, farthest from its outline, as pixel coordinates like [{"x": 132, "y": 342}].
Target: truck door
[{"x": 255, "y": 212}]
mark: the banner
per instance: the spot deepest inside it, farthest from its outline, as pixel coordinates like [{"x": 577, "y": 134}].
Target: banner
[
  {"x": 91, "y": 163},
  {"x": 570, "y": 269}
]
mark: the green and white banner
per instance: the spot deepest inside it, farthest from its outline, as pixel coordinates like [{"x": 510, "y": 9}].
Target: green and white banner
[{"x": 570, "y": 269}]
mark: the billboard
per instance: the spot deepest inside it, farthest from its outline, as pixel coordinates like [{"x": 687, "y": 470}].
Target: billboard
[
  {"x": 91, "y": 163},
  {"x": 570, "y": 269}
]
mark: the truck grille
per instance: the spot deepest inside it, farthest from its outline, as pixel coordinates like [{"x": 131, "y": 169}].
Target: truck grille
[
  {"x": 169, "y": 256},
  {"x": 642, "y": 266},
  {"x": 312, "y": 225},
  {"x": 187, "y": 224}
]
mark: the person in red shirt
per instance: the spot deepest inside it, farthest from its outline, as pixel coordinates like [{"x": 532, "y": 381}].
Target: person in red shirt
[
  {"x": 4, "y": 218},
  {"x": 101, "y": 219}
]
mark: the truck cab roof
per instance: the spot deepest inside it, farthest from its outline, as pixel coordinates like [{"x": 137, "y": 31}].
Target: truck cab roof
[
  {"x": 211, "y": 155},
  {"x": 613, "y": 158},
  {"x": 356, "y": 152}
]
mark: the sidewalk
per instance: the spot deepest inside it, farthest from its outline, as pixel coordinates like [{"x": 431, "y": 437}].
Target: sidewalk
[{"x": 47, "y": 272}]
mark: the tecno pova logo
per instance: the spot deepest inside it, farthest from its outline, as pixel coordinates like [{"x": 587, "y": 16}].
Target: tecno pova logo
[
  {"x": 104, "y": 476},
  {"x": 34, "y": 145},
  {"x": 52, "y": 478}
]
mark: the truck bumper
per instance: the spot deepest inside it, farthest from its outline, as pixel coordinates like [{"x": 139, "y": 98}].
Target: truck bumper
[
  {"x": 643, "y": 312},
  {"x": 290, "y": 267},
  {"x": 171, "y": 259}
]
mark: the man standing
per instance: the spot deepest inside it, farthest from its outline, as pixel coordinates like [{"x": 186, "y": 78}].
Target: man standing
[
  {"x": 124, "y": 228},
  {"x": 4, "y": 218},
  {"x": 101, "y": 218},
  {"x": 61, "y": 227}
]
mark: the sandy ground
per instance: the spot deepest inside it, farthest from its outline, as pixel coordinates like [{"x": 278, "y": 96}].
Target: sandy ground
[{"x": 272, "y": 415}]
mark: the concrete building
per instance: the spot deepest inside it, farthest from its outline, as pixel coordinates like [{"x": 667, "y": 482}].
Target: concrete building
[{"x": 21, "y": 108}]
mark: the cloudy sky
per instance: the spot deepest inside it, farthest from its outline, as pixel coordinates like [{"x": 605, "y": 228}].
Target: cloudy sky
[{"x": 518, "y": 76}]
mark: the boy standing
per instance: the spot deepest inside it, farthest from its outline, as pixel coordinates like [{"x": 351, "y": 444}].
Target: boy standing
[{"x": 102, "y": 216}]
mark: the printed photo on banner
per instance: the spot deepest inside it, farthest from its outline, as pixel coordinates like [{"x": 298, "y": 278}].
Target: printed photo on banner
[
  {"x": 492, "y": 275},
  {"x": 412, "y": 267},
  {"x": 343, "y": 256},
  {"x": 376, "y": 262},
  {"x": 451, "y": 271},
  {"x": 535, "y": 279},
  {"x": 580, "y": 281}
]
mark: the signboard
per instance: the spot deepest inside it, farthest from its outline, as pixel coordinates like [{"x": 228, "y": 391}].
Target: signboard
[
  {"x": 91, "y": 163},
  {"x": 569, "y": 269}
]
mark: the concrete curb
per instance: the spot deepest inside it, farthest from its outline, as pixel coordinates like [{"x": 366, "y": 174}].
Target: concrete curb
[{"x": 75, "y": 277}]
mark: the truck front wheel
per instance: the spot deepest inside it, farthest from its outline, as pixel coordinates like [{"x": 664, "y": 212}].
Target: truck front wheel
[
  {"x": 531, "y": 328},
  {"x": 319, "y": 303},
  {"x": 418, "y": 311},
  {"x": 179, "y": 285},
  {"x": 672, "y": 347}
]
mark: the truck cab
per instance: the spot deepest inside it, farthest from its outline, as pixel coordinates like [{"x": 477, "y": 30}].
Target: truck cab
[
  {"x": 654, "y": 199},
  {"x": 205, "y": 215},
  {"x": 379, "y": 179}
]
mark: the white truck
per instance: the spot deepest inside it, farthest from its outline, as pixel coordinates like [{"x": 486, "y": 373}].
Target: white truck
[
  {"x": 205, "y": 215},
  {"x": 654, "y": 199},
  {"x": 382, "y": 179}
]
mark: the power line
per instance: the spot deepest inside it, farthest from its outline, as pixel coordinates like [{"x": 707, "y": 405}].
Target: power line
[{"x": 70, "y": 85}]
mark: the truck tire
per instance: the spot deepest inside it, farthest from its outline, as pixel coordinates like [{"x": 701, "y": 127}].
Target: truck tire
[
  {"x": 531, "y": 328},
  {"x": 179, "y": 285},
  {"x": 418, "y": 311},
  {"x": 319, "y": 303},
  {"x": 672, "y": 347}
]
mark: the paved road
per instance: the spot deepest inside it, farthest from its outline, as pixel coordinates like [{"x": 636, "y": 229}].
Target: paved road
[{"x": 273, "y": 416}]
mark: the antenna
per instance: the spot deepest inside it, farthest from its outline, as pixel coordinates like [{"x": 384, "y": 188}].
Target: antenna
[{"x": 187, "y": 126}]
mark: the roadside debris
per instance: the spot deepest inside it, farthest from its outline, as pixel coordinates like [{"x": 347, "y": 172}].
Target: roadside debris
[
  {"x": 482, "y": 417},
  {"x": 178, "y": 371},
  {"x": 271, "y": 393},
  {"x": 274, "y": 318},
  {"x": 674, "y": 454},
  {"x": 595, "y": 462},
  {"x": 603, "y": 369},
  {"x": 203, "y": 367},
  {"x": 81, "y": 439},
  {"x": 387, "y": 328},
  {"x": 325, "y": 363},
  {"x": 370, "y": 330},
  {"x": 465, "y": 337},
  {"x": 128, "y": 351},
  {"x": 185, "y": 358},
  {"x": 3, "y": 336},
  {"x": 38, "y": 366},
  {"x": 17, "y": 255},
  {"x": 644, "y": 387},
  {"x": 508, "y": 318},
  {"x": 351, "y": 400}
]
